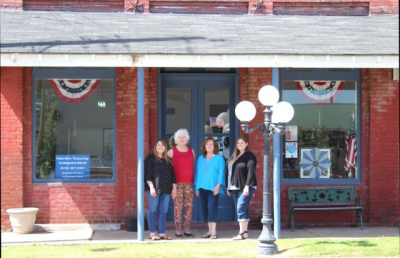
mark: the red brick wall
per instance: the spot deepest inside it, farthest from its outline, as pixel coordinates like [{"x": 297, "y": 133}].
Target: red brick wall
[
  {"x": 380, "y": 162},
  {"x": 11, "y": 141},
  {"x": 108, "y": 203},
  {"x": 75, "y": 5},
  {"x": 253, "y": 6},
  {"x": 384, "y": 147},
  {"x": 11, "y": 4},
  {"x": 60, "y": 202}
]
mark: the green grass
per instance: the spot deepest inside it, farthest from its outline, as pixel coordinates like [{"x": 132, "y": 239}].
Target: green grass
[{"x": 371, "y": 247}]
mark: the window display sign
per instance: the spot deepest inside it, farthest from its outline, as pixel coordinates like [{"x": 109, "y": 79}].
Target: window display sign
[
  {"x": 72, "y": 166},
  {"x": 291, "y": 150},
  {"x": 291, "y": 133}
]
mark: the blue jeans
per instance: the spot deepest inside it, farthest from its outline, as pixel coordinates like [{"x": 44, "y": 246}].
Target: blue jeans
[
  {"x": 157, "y": 204},
  {"x": 209, "y": 205},
  {"x": 242, "y": 203}
]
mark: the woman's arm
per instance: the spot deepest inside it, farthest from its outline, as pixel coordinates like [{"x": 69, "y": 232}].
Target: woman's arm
[
  {"x": 170, "y": 153},
  {"x": 152, "y": 189}
]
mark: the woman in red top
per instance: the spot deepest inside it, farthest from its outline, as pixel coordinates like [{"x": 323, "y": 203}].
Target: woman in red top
[{"x": 183, "y": 160}]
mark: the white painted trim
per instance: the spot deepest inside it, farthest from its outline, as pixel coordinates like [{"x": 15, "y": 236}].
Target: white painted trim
[{"x": 206, "y": 61}]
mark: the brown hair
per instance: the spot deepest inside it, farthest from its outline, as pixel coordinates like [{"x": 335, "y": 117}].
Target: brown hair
[
  {"x": 165, "y": 156},
  {"x": 236, "y": 152},
  {"x": 203, "y": 146}
]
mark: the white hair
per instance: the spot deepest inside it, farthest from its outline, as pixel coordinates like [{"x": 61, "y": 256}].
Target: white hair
[
  {"x": 184, "y": 132},
  {"x": 224, "y": 116}
]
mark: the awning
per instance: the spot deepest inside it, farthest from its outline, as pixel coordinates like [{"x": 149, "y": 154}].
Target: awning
[{"x": 76, "y": 39}]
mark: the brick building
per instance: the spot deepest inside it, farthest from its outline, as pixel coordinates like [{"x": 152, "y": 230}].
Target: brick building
[{"x": 194, "y": 60}]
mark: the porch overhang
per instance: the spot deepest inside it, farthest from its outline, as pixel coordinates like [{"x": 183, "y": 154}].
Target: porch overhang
[{"x": 206, "y": 61}]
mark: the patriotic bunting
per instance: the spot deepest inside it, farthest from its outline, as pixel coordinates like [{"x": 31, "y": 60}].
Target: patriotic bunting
[
  {"x": 74, "y": 91},
  {"x": 320, "y": 92}
]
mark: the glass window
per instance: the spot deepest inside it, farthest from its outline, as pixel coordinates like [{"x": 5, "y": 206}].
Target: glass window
[
  {"x": 73, "y": 129},
  {"x": 321, "y": 139}
]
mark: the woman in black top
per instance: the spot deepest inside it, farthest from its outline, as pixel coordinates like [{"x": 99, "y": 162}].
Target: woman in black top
[
  {"x": 160, "y": 185},
  {"x": 242, "y": 183}
]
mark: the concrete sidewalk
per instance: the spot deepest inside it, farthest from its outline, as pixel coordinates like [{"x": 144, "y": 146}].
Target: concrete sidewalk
[{"x": 89, "y": 236}]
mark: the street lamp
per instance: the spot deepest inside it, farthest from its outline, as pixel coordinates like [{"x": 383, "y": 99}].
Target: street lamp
[{"x": 276, "y": 115}]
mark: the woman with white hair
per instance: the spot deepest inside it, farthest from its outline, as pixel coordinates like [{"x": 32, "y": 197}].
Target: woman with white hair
[{"x": 183, "y": 160}]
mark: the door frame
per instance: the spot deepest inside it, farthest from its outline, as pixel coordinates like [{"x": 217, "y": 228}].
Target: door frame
[{"x": 197, "y": 100}]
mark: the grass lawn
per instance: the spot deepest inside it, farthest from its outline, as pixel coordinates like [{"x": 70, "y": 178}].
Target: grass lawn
[{"x": 371, "y": 247}]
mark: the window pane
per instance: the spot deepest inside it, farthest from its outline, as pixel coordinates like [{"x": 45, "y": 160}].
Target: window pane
[
  {"x": 178, "y": 112},
  {"x": 217, "y": 117},
  {"x": 74, "y": 129},
  {"x": 322, "y": 135}
]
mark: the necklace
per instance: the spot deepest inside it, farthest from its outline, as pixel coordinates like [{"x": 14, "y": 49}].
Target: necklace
[{"x": 206, "y": 163}]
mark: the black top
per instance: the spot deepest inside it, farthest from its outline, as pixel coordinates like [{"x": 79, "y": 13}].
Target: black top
[
  {"x": 244, "y": 171},
  {"x": 160, "y": 173}
]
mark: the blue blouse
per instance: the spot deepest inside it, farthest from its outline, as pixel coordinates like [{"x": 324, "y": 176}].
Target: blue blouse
[{"x": 210, "y": 173}]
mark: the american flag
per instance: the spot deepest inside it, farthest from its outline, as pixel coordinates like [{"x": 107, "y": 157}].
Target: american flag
[{"x": 351, "y": 147}]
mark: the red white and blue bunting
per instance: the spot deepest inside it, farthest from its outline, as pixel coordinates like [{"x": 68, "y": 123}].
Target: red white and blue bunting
[
  {"x": 320, "y": 92},
  {"x": 74, "y": 90}
]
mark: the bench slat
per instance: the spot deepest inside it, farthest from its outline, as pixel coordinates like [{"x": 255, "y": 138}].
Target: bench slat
[{"x": 327, "y": 209}]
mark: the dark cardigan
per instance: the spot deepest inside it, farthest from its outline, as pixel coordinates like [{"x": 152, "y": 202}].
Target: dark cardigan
[{"x": 244, "y": 171}]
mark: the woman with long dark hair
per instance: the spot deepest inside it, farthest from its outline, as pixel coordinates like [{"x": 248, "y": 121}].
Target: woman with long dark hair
[
  {"x": 242, "y": 183},
  {"x": 160, "y": 186}
]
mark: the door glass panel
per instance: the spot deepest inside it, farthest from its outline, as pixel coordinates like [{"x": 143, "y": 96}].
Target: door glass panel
[
  {"x": 178, "y": 109},
  {"x": 217, "y": 117}
]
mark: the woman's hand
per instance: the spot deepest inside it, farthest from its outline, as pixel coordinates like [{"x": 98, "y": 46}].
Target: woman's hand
[
  {"x": 197, "y": 194},
  {"x": 246, "y": 191},
  {"x": 216, "y": 189},
  {"x": 228, "y": 193},
  {"x": 173, "y": 194},
  {"x": 153, "y": 192}
]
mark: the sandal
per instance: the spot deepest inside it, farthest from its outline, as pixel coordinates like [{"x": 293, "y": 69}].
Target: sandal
[
  {"x": 240, "y": 236},
  {"x": 154, "y": 237},
  {"x": 206, "y": 236},
  {"x": 178, "y": 235},
  {"x": 188, "y": 234},
  {"x": 165, "y": 237},
  {"x": 214, "y": 237}
]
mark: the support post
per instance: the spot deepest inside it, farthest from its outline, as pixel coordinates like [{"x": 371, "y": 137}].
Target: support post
[{"x": 140, "y": 154}]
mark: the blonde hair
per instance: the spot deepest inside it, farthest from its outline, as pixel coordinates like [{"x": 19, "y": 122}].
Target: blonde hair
[
  {"x": 236, "y": 152},
  {"x": 165, "y": 155}
]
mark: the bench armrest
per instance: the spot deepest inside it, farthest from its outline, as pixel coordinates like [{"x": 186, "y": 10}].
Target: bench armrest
[
  {"x": 359, "y": 201},
  {"x": 290, "y": 203}
]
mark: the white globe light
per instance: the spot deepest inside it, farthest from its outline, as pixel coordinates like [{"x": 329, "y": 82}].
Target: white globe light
[
  {"x": 245, "y": 111},
  {"x": 268, "y": 95},
  {"x": 283, "y": 112}
]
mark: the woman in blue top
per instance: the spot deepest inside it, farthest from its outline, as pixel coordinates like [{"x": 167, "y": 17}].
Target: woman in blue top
[{"x": 210, "y": 177}]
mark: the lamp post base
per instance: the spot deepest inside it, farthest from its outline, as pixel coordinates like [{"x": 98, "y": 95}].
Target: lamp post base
[{"x": 267, "y": 249}]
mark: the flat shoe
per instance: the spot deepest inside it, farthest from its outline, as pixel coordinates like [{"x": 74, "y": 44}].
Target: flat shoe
[
  {"x": 188, "y": 234},
  {"x": 239, "y": 237},
  {"x": 214, "y": 237},
  {"x": 178, "y": 235},
  {"x": 154, "y": 237},
  {"x": 165, "y": 237},
  {"x": 206, "y": 236}
]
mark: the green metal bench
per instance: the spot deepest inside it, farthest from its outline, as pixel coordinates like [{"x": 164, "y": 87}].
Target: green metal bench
[{"x": 324, "y": 198}]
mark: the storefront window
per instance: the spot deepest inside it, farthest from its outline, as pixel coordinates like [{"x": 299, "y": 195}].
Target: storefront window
[
  {"x": 321, "y": 139},
  {"x": 73, "y": 127}
]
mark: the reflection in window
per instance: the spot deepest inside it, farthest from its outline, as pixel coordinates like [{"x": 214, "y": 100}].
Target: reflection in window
[
  {"x": 217, "y": 117},
  {"x": 74, "y": 129},
  {"x": 320, "y": 142},
  {"x": 178, "y": 112}
]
